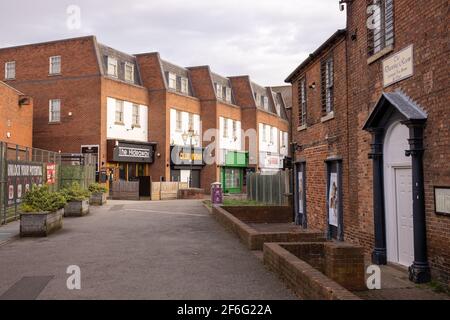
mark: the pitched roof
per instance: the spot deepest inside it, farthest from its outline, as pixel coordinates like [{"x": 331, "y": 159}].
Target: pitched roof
[
  {"x": 332, "y": 40},
  {"x": 401, "y": 103}
]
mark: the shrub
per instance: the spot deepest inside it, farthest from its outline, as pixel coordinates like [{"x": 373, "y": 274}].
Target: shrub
[
  {"x": 40, "y": 199},
  {"x": 97, "y": 188},
  {"x": 75, "y": 193}
]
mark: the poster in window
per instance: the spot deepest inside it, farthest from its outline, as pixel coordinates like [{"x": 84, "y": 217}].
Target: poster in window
[
  {"x": 333, "y": 200},
  {"x": 300, "y": 192}
]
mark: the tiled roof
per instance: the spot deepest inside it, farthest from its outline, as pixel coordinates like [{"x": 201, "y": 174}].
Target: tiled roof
[{"x": 122, "y": 58}]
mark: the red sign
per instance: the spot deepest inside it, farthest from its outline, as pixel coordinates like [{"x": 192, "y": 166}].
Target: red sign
[{"x": 51, "y": 173}]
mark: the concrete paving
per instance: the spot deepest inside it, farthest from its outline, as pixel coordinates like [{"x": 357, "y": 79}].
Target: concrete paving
[{"x": 138, "y": 250}]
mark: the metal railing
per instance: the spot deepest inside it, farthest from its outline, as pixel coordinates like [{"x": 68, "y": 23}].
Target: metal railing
[
  {"x": 22, "y": 167},
  {"x": 270, "y": 189}
]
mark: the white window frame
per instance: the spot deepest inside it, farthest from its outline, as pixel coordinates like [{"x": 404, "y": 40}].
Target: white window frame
[
  {"x": 113, "y": 63},
  {"x": 136, "y": 115},
  {"x": 273, "y": 133},
  {"x": 184, "y": 85},
  {"x": 8, "y": 70},
  {"x": 178, "y": 121},
  {"x": 119, "y": 111},
  {"x": 219, "y": 91},
  {"x": 55, "y": 65},
  {"x": 264, "y": 133},
  {"x": 131, "y": 77},
  {"x": 225, "y": 128},
  {"x": 52, "y": 103},
  {"x": 228, "y": 94},
  {"x": 172, "y": 81},
  {"x": 265, "y": 102}
]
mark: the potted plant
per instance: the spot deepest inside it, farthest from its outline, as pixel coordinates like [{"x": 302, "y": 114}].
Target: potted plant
[
  {"x": 98, "y": 194},
  {"x": 77, "y": 201},
  {"x": 41, "y": 212}
]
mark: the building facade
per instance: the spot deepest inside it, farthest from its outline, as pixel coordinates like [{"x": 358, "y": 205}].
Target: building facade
[
  {"x": 145, "y": 117},
  {"x": 393, "y": 179},
  {"x": 16, "y": 114},
  {"x": 88, "y": 99}
]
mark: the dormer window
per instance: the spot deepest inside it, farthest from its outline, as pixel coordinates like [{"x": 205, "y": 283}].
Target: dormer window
[
  {"x": 55, "y": 65},
  {"x": 228, "y": 94},
  {"x": 184, "y": 85},
  {"x": 129, "y": 72},
  {"x": 265, "y": 102},
  {"x": 172, "y": 79},
  {"x": 219, "y": 91},
  {"x": 112, "y": 67}
]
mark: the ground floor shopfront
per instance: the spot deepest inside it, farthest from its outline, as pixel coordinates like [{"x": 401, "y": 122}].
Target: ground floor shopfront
[
  {"x": 233, "y": 171},
  {"x": 186, "y": 164},
  {"x": 129, "y": 161},
  {"x": 270, "y": 162}
]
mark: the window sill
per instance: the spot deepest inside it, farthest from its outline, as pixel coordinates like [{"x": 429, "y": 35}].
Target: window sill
[
  {"x": 327, "y": 117},
  {"x": 302, "y": 128},
  {"x": 54, "y": 74},
  {"x": 54, "y": 122},
  {"x": 119, "y": 123},
  {"x": 9, "y": 79},
  {"x": 135, "y": 126},
  {"x": 380, "y": 54}
]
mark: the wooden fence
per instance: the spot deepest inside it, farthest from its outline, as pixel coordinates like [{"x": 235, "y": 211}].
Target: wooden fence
[{"x": 167, "y": 190}]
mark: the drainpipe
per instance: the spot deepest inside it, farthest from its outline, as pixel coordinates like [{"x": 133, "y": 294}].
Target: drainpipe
[{"x": 419, "y": 272}]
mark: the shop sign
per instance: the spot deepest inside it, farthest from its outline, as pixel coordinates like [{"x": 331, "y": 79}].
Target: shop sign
[
  {"x": 21, "y": 177},
  {"x": 180, "y": 156},
  {"x": 398, "y": 67},
  {"x": 130, "y": 152},
  {"x": 271, "y": 161}
]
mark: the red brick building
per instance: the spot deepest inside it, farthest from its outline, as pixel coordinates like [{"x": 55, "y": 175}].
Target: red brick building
[
  {"x": 394, "y": 147},
  {"x": 136, "y": 111},
  {"x": 16, "y": 116}
]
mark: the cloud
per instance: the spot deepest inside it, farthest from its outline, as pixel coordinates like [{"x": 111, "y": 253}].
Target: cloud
[{"x": 266, "y": 39}]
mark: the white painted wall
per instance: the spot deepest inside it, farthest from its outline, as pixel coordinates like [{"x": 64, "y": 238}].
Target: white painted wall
[
  {"x": 266, "y": 146},
  {"x": 176, "y": 136},
  {"x": 126, "y": 132}
]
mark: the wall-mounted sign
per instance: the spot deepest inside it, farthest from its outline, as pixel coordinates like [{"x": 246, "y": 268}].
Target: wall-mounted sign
[
  {"x": 51, "y": 173},
  {"x": 124, "y": 151},
  {"x": 21, "y": 176},
  {"x": 333, "y": 200},
  {"x": 399, "y": 66},
  {"x": 442, "y": 200},
  {"x": 270, "y": 161},
  {"x": 186, "y": 155}
]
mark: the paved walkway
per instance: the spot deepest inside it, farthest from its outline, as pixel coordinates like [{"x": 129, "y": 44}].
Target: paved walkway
[{"x": 136, "y": 250}]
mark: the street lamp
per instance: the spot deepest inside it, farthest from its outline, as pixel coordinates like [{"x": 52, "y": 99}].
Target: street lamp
[{"x": 193, "y": 137}]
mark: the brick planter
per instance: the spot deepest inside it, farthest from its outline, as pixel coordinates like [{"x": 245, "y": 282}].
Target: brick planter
[
  {"x": 97, "y": 199},
  {"x": 318, "y": 271},
  {"x": 40, "y": 224},
  {"x": 192, "y": 193},
  {"x": 76, "y": 208},
  {"x": 238, "y": 223}
]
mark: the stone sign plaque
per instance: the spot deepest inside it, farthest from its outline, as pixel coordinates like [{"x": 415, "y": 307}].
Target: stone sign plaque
[
  {"x": 398, "y": 67},
  {"x": 442, "y": 200}
]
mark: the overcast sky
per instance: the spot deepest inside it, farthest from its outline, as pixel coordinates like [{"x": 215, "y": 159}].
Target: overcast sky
[{"x": 265, "y": 39}]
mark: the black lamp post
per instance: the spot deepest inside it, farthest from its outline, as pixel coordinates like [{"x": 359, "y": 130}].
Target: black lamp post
[{"x": 190, "y": 135}]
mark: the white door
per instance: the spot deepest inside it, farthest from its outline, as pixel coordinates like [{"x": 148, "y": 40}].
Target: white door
[{"x": 404, "y": 213}]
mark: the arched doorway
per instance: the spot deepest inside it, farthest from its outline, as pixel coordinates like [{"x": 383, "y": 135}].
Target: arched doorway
[{"x": 398, "y": 196}]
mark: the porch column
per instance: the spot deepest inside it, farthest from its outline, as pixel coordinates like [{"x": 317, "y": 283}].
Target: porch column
[
  {"x": 419, "y": 271},
  {"x": 379, "y": 256}
]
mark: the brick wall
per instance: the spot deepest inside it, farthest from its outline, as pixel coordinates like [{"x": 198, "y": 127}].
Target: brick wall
[
  {"x": 427, "y": 29},
  {"x": 14, "y": 118},
  {"x": 78, "y": 87},
  {"x": 322, "y": 140}
]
